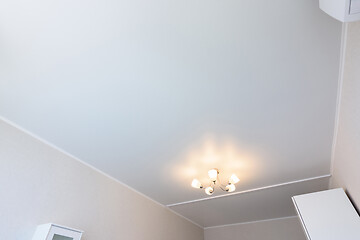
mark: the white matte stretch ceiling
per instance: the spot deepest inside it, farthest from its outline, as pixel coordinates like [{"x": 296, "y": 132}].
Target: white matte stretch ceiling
[{"x": 155, "y": 93}]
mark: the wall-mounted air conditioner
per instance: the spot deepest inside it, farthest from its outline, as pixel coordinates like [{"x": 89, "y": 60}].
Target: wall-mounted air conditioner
[{"x": 342, "y": 10}]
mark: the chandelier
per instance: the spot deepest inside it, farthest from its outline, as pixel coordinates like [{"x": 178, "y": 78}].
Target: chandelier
[{"x": 214, "y": 180}]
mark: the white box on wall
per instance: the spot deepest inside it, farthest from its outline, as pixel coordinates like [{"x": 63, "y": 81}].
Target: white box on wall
[
  {"x": 342, "y": 10},
  {"x": 52, "y": 231}
]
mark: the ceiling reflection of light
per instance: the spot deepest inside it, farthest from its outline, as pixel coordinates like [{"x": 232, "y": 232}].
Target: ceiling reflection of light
[{"x": 227, "y": 156}]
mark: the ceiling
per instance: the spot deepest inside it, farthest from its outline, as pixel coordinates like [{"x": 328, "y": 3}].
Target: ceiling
[
  {"x": 155, "y": 93},
  {"x": 253, "y": 206}
]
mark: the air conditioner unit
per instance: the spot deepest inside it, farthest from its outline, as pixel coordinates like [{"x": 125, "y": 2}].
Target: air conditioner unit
[{"x": 342, "y": 10}]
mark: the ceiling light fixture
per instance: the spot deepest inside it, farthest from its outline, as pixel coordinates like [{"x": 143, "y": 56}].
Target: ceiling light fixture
[{"x": 214, "y": 178}]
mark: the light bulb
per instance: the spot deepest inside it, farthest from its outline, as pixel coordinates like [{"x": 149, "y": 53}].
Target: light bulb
[
  {"x": 209, "y": 190},
  {"x": 213, "y": 174},
  {"x": 230, "y": 188},
  {"x": 196, "y": 184},
  {"x": 234, "y": 179}
]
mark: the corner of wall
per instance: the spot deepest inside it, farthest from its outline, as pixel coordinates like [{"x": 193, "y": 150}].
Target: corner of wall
[{"x": 338, "y": 100}]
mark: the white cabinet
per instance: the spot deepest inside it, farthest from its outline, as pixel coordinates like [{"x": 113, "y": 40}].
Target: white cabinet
[
  {"x": 52, "y": 231},
  {"x": 342, "y": 10},
  {"x": 328, "y": 215}
]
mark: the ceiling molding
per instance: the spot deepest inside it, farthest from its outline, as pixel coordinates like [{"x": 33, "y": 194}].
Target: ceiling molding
[
  {"x": 250, "y": 190},
  {"x": 242, "y": 223}
]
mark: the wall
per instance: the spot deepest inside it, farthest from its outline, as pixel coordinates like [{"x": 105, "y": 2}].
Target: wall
[
  {"x": 346, "y": 163},
  {"x": 277, "y": 229},
  {"x": 39, "y": 184}
]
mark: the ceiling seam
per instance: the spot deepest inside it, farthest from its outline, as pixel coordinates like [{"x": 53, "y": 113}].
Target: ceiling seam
[
  {"x": 249, "y": 190},
  {"x": 258, "y": 221}
]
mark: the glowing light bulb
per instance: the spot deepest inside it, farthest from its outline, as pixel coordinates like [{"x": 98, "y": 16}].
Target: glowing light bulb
[
  {"x": 213, "y": 174},
  {"x": 209, "y": 190},
  {"x": 234, "y": 179},
  {"x": 196, "y": 184},
  {"x": 230, "y": 188}
]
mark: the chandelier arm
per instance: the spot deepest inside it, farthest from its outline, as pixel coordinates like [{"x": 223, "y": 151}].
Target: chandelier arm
[
  {"x": 222, "y": 186},
  {"x": 212, "y": 184}
]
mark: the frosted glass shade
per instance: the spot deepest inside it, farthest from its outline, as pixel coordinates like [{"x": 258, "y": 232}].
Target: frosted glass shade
[
  {"x": 234, "y": 179},
  {"x": 213, "y": 174},
  {"x": 196, "y": 184},
  {"x": 209, "y": 190},
  {"x": 230, "y": 188}
]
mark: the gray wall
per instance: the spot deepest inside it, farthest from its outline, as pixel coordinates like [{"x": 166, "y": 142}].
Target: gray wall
[
  {"x": 39, "y": 184},
  {"x": 346, "y": 165},
  {"x": 278, "y": 229}
]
